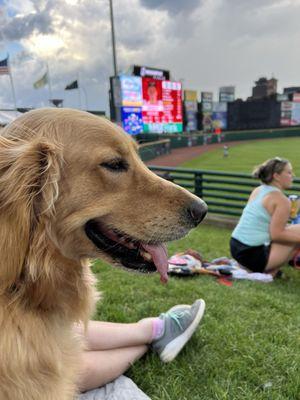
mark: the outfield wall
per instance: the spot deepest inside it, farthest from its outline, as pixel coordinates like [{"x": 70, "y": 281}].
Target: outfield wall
[{"x": 153, "y": 145}]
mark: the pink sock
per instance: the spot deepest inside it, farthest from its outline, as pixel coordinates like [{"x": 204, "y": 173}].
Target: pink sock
[{"x": 158, "y": 326}]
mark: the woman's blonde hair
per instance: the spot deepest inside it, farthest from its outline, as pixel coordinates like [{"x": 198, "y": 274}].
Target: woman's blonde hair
[{"x": 266, "y": 170}]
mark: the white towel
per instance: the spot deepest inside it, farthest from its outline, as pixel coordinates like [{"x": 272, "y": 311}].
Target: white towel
[{"x": 252, "y": 276}]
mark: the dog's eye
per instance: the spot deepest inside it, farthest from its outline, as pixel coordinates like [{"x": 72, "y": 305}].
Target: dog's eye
[{"x": 115, "y": 165}]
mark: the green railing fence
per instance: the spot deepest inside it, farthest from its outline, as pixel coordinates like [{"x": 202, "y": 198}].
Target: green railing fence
[{"x": 224, "y": 192}]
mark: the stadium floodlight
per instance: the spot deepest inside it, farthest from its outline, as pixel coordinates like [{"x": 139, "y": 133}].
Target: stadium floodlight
[{"x": 113, "y": 37}]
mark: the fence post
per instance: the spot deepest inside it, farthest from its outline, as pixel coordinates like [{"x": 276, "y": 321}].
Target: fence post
[{"x": 198, "y": 184}]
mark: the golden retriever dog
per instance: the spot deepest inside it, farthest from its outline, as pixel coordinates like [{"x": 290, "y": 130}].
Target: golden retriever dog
[{"x": 72, "y": 188}]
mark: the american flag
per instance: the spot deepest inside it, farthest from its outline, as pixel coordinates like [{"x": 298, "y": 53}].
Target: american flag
[{"x": 4, "y": 68}]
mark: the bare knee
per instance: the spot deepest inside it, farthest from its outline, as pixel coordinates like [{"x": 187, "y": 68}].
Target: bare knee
[{"x": 280, "y": 254}]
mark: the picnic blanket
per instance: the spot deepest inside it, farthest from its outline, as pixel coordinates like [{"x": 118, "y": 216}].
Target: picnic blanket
[
  {"x": 190, "y": 263},
  {"x": 122, "y": 388}
]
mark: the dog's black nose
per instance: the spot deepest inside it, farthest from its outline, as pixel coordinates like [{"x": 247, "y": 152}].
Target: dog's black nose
[{"x": 197, "y": 211}]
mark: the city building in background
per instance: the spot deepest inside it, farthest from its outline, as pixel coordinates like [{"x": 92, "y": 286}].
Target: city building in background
[
  {"x": 254, "y": 114},
  {"x": 264, "y": 88}
]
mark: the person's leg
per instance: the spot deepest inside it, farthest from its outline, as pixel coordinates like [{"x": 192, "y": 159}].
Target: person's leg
[
  {"x": 112, "y": 347},
  {"x": 280, "y": 254},
  {"x": 101, "y": 367},
  {"x": 108, "y": 335}
]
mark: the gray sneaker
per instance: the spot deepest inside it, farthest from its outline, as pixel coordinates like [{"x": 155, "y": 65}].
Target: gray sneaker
[{"x": 180, "y": 323}]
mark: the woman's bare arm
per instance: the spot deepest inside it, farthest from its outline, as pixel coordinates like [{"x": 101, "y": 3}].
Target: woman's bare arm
[{"x": 279, "y": 230}]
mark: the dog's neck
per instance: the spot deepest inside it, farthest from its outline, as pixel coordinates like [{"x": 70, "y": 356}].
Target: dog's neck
[{"x": 66, "y": 289}]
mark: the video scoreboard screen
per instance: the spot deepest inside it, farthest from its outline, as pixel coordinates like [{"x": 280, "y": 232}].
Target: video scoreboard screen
[{"x": 150, "y": 105}]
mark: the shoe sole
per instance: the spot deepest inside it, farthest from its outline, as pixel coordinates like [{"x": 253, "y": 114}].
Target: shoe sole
[{"x": 173, "y": 348}]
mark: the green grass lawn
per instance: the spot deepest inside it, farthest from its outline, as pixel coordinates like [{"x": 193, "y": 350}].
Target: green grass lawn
[
  {"x": 248, "y": 347},
  {"x": 249, "y": 338},
  {"x": 243, "y": 157}
]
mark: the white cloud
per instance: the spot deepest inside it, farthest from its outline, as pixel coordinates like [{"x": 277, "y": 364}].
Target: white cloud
[{"x": 207, "y": 43}]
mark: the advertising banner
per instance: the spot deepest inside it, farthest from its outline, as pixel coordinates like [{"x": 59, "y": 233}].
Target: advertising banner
[
  {"x": 191, "y": 106},
  {"x": 286, "y": 106},
  {"x": 191, "y": 121},
  {"x": 172, "y": 100},
  {"x": 282, "y": 97},
  {"x": 162, "y": 106},
  {"x": 152, "y": 109},
  {"x": 219, "y": 120},
  {"x": 219, "y": 116},
  {"x": 285, "y": 121},
  {"x": 296, "y": 97},
  {"x": 190, "y": 95},
  {"x": 226, "y": 97},
  {"x": 131, "y": 90},
  {"x": 132, "y": 121},
  {"x": 206, "y": 97},
  {"x": 219, "y": 107},
  {"x": 207, "y": 109},
  {"x": 226, "y": 93},
  {"x": 207, "y": 122},
  {"x": 191, "y": 110},
  {"x": 156, "y": 73},
  {"x": 295, "y": 120},
  {"x": 286, "y": 113},
  {"x": 152, "y": 95}
]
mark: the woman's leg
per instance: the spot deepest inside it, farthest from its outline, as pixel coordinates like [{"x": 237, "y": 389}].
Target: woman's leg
[
  {"x": 101, "y": 367},
  {"x": 280, "y": 254}
]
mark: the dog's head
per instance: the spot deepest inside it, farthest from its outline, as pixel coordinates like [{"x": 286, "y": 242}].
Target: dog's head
[{"x": 76, "y": 181}]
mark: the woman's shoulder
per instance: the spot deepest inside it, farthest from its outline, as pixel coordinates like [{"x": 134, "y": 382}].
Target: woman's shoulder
[
  {"x": 277, "y": 197},
  {"x": 256, "y": 191},
  {"x": 278, "y": 194}
]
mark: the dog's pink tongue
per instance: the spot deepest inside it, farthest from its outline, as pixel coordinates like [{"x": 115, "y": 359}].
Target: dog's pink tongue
[{"x": 159, "y": 255}]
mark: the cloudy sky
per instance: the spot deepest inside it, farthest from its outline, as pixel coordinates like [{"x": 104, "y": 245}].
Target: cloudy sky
[{"x": 204, "y": 43}]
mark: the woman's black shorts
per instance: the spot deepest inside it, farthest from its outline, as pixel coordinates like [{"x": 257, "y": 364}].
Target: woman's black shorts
[{"x": 254, "y": 258}]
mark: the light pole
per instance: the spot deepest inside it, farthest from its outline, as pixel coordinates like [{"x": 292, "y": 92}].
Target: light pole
[{"x": 113, "y": 37}]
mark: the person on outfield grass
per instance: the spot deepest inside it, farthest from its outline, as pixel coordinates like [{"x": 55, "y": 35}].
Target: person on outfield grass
[
  {"x": 262, "y": 240},
  {"x": 112, "y": 347}
]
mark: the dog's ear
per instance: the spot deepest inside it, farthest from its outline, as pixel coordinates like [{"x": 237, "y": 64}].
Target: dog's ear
[{"x": 29, "y": 175}]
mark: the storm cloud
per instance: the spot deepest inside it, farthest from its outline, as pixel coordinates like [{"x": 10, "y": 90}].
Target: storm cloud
[
  {"x": 204, "y": 43},
  {"x": 172, "y": 6},
  {"x": 22, "y": 27}
]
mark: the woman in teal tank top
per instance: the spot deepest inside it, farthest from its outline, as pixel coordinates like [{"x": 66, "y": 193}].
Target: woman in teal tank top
[{"x": 262, "y": 241}]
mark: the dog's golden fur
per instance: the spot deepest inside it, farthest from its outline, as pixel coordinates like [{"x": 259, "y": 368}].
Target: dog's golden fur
[{"x": 53, "y": 179}]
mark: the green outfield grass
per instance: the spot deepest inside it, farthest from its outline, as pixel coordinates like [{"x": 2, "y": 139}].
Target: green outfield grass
[
  {"x": 243, "y": 157},
  {"x": 248, "y": 346}
]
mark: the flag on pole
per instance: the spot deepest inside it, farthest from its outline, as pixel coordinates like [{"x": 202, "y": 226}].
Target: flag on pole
[
  {"x": 57, "y": 102},
  {"x": 4, "y": 68},
  {"x": 73, "y": 85},
  {"x": 41, "y": 82}
]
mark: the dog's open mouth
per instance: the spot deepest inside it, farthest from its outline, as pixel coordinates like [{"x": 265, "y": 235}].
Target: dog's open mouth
[{"x": 130, "y": 252}]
